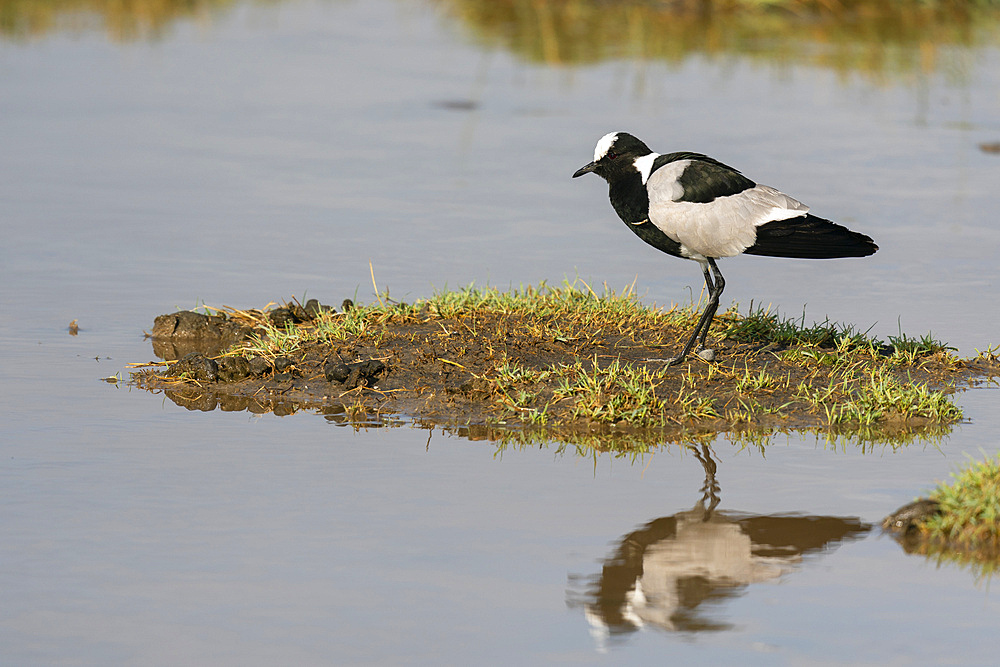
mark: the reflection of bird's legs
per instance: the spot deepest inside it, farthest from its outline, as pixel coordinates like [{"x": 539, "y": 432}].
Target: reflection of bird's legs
[{"x": 710, "y": 489}]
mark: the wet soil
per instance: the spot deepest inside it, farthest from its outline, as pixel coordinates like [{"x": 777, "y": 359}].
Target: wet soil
[{"x": 450, "y": 371}]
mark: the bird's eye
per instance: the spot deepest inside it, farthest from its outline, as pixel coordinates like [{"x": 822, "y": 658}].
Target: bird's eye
[{"x": 612, "y": 156}]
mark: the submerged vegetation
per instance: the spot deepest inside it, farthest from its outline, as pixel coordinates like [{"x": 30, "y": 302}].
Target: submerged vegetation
[{"x": 571, "y": 360}]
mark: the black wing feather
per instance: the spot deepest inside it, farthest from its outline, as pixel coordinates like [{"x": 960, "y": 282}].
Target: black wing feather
[{"x": 810, "y": 237}]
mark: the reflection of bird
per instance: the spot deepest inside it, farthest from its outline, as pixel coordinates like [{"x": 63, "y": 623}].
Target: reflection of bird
[
  {"x": 692, "y": 206},
  {"x": 669, "y": 572}
]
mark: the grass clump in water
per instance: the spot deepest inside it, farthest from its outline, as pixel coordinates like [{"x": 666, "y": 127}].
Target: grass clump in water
[
  {"x": 958, "y": 523},
  {"x": 969, "y": 509}
]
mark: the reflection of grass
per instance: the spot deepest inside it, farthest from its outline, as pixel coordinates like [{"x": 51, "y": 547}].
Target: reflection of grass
[
  {"x": 122, "y": 19},
  {"x": 589, "y": 442},
  {"x": 878, "y": 38}
]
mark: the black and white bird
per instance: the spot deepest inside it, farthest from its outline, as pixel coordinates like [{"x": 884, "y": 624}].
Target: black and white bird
[{"x": 691, "y": 206}]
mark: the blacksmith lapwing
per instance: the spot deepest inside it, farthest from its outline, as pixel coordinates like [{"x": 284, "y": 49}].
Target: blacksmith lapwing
[{"x": 692, "y": 206}]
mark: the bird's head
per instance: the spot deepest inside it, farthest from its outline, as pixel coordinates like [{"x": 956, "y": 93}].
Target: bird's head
[{"x": 614, "y": 154}]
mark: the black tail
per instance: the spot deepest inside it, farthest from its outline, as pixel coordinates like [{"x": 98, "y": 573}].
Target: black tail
[{"x": 809, "y": 237}]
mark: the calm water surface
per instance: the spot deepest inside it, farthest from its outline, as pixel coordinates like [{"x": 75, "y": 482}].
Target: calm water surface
[{"x": 248, "y": 155}]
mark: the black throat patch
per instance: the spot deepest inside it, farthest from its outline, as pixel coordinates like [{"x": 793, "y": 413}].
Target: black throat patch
[{"x": 631, "y": 202}]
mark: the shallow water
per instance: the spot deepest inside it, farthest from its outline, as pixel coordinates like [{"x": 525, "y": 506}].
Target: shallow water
[{"x": 264, "y": 151}]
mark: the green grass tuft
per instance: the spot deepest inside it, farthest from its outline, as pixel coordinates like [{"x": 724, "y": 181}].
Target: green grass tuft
[
  {"x": 761, "y": 325},
  {"x": 969, "y": 508}
]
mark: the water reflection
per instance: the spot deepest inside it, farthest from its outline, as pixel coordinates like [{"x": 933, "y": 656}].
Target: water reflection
[
  {"x": 878, "y": 39},
  {"x": 881, "y": 38},
  {"x": 369, "y": 409},
  {"x": 121, "y": 20},
  {"x": 675, "y": 572},
  {"x": 982, "y": 559},
  {"x": 278, "y": 400},
  {"x": 172, "y": 350}
]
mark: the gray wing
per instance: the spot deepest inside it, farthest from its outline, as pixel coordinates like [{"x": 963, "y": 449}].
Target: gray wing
[{"x": 722, "y": 227}]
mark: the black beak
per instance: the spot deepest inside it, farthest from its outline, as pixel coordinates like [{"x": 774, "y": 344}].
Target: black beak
[{"x": 586, "y": 169}]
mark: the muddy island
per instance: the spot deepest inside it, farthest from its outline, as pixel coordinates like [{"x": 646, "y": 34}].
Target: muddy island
[{"x": 564, "y": 359}]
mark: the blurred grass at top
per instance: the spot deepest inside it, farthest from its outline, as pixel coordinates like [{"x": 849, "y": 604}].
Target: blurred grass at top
[
  {"x": 880, "y": 38},
  {"x": 122, "y": 20}
]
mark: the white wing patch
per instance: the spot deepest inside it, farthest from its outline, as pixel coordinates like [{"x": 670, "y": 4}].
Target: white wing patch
[
  {"x": 723, "y": 227},
  {"x": 781, "y": 205},
  {"x": 663, "y": 183}
]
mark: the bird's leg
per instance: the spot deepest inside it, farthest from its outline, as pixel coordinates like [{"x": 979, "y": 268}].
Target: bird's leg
[
  {"x": 713, "y": 303},
  {"x": 705, "y": 321},
  {"x": 710, "y": 489}
]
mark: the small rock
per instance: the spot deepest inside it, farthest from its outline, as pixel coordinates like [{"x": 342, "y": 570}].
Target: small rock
[
  {"x": 336, "y": 371},
  {"x": 259, "y": 366},
  {"x": 299, "y": 313},
  {"x": 183, "y": 324},
  {"x": 314, "y": 308},
  {"x": 905, "y": 519},
  {"x": 281, "y": 317},
  {"x": 233, "y": 369},
  {"x": 707, "y": 354},
  {"x": 195, "y": 366},
  {"x": 178, "y": 334},
  {"x": 371, "y": 368},
  {"x": 352, "y": 375},
  {"x": 282, "y": 364},
  {"x": 353, "y": 379}
]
